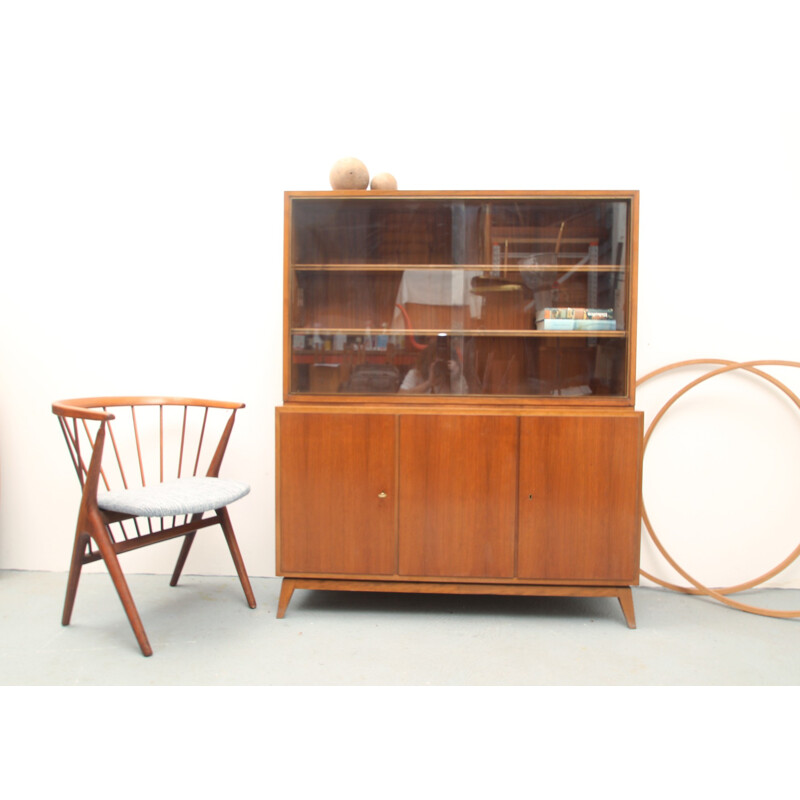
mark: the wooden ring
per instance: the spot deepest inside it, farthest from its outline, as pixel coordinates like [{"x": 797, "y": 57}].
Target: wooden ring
[{"x": 699, "y": 588}]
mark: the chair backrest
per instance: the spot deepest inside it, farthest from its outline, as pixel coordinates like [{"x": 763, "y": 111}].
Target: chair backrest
[
  {"x": 150, "y": 439},
  {"x": 130, "y": 442}
]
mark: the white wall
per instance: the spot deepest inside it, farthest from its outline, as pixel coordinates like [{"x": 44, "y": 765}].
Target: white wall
[{"x": 145, "y": 148}]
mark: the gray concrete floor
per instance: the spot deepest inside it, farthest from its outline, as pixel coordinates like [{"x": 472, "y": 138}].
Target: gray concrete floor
[{"x": 204, "y": 634}]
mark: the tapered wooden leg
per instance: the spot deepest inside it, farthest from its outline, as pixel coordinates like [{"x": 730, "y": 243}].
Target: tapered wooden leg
[
  {"x": 233, "y": 546},
  {"x": 185, "y": 548},
  {"x": 287, "y": 590},
  {"x": 78, "y": 550},
  {"x": 626, "y": 602},
  {"x": 106, "y": 547}
]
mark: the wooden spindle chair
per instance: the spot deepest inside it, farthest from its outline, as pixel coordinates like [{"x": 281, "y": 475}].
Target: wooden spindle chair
[{"x": 130, "y": 499}]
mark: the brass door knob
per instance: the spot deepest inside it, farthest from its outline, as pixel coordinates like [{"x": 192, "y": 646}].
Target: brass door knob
[{"x": 382, "y": 495}]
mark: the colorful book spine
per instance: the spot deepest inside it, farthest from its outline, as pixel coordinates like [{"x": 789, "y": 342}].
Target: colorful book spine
[
  {"x": 595, "y": 325},
  {"x": 555, "y": 325},
  {"x": 599, "y": 313},
  {"x": 575, "y": 313}
]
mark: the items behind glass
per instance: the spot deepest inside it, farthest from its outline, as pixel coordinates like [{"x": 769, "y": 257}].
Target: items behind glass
[{"x": 476, "y": 365}]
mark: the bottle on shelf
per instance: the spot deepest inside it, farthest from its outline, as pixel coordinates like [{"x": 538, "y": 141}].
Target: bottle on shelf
[{"x": 382, "y": 340}]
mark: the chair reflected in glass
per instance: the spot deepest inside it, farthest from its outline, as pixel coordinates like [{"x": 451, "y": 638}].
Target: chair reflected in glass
[{"x": 151, "y": 476}]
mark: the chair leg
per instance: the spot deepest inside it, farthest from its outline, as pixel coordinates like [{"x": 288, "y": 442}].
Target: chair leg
[
  {"x": 185, "y": 548},
  {"x": 233, "y": 546},
  {"x": 78, "y": 550},
  {"x": 107, "y": 551}
]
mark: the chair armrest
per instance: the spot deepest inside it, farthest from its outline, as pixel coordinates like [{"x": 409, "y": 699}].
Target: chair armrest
[{"x": 66, "y": 408}]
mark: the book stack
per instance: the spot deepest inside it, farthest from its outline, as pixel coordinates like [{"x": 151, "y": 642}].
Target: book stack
[{"x": 575, "y": 319}]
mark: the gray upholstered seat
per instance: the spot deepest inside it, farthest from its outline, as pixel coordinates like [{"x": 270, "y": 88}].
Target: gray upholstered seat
[{"x": 174, "y": 498}]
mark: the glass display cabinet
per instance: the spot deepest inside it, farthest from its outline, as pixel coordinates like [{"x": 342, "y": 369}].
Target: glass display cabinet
[{"x": 458, "y": 393}]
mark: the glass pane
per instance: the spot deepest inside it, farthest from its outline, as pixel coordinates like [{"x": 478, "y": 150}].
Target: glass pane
[{"x": 468, "y": 296}]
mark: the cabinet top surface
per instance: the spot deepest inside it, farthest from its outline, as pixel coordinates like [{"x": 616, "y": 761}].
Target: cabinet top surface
[{"x": 476, "y": 194}]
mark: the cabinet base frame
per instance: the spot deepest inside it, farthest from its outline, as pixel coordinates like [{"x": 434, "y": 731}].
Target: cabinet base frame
[{"x": 622, "y": 593}]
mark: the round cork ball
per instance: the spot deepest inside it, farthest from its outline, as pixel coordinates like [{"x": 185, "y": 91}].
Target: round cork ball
[
  {"x": 383, "y": 181},
  {"x": 349, "y": 173}
]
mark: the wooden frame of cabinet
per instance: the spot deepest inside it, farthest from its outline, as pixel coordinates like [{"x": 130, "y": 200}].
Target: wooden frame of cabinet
[{"x": 525, "y": 484}]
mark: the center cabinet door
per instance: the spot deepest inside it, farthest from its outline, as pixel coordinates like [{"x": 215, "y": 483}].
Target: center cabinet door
[
  {"x": 458, "y": 484},
  {"x": 337, "y": 501}
]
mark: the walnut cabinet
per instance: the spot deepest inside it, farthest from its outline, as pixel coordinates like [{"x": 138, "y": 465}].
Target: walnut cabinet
[{"x": 458, "y": 394}]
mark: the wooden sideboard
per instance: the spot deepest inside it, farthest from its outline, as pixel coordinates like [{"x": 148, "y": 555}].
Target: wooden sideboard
[{"x": 458, "y": 394}]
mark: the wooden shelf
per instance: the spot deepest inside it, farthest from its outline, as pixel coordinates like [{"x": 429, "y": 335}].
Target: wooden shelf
[
  {"x": 453, "y": 267},
  {"x": 465, "y": 333}
]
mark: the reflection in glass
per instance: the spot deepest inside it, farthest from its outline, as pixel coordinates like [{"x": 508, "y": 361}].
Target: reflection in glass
[{"x": 522, "y": 297}]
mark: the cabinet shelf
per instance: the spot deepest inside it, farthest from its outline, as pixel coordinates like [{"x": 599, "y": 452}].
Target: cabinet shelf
[
  {"x": 503, "y": 268},
  {"x": 461, "y": 333}
]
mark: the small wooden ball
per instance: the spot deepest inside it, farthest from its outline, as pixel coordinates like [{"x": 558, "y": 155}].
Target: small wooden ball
[
  {"x": 349, "y": 173},
  {"x": 383, "y": 181}
]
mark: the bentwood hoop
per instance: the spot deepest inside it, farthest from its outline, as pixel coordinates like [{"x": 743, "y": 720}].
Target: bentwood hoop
[{"x": 718, "y": 593}]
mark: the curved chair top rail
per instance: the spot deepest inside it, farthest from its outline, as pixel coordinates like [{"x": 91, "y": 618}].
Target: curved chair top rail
[
  {"x": 94, "y": 407},
  {"x": 146, "y": 438}
]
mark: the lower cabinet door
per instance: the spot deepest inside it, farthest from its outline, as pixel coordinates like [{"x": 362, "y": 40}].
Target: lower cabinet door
[
  {"x": 458, "y": 481},
  {"x": 579, "y": 492},
  {"x": 337, "y": 503}
]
